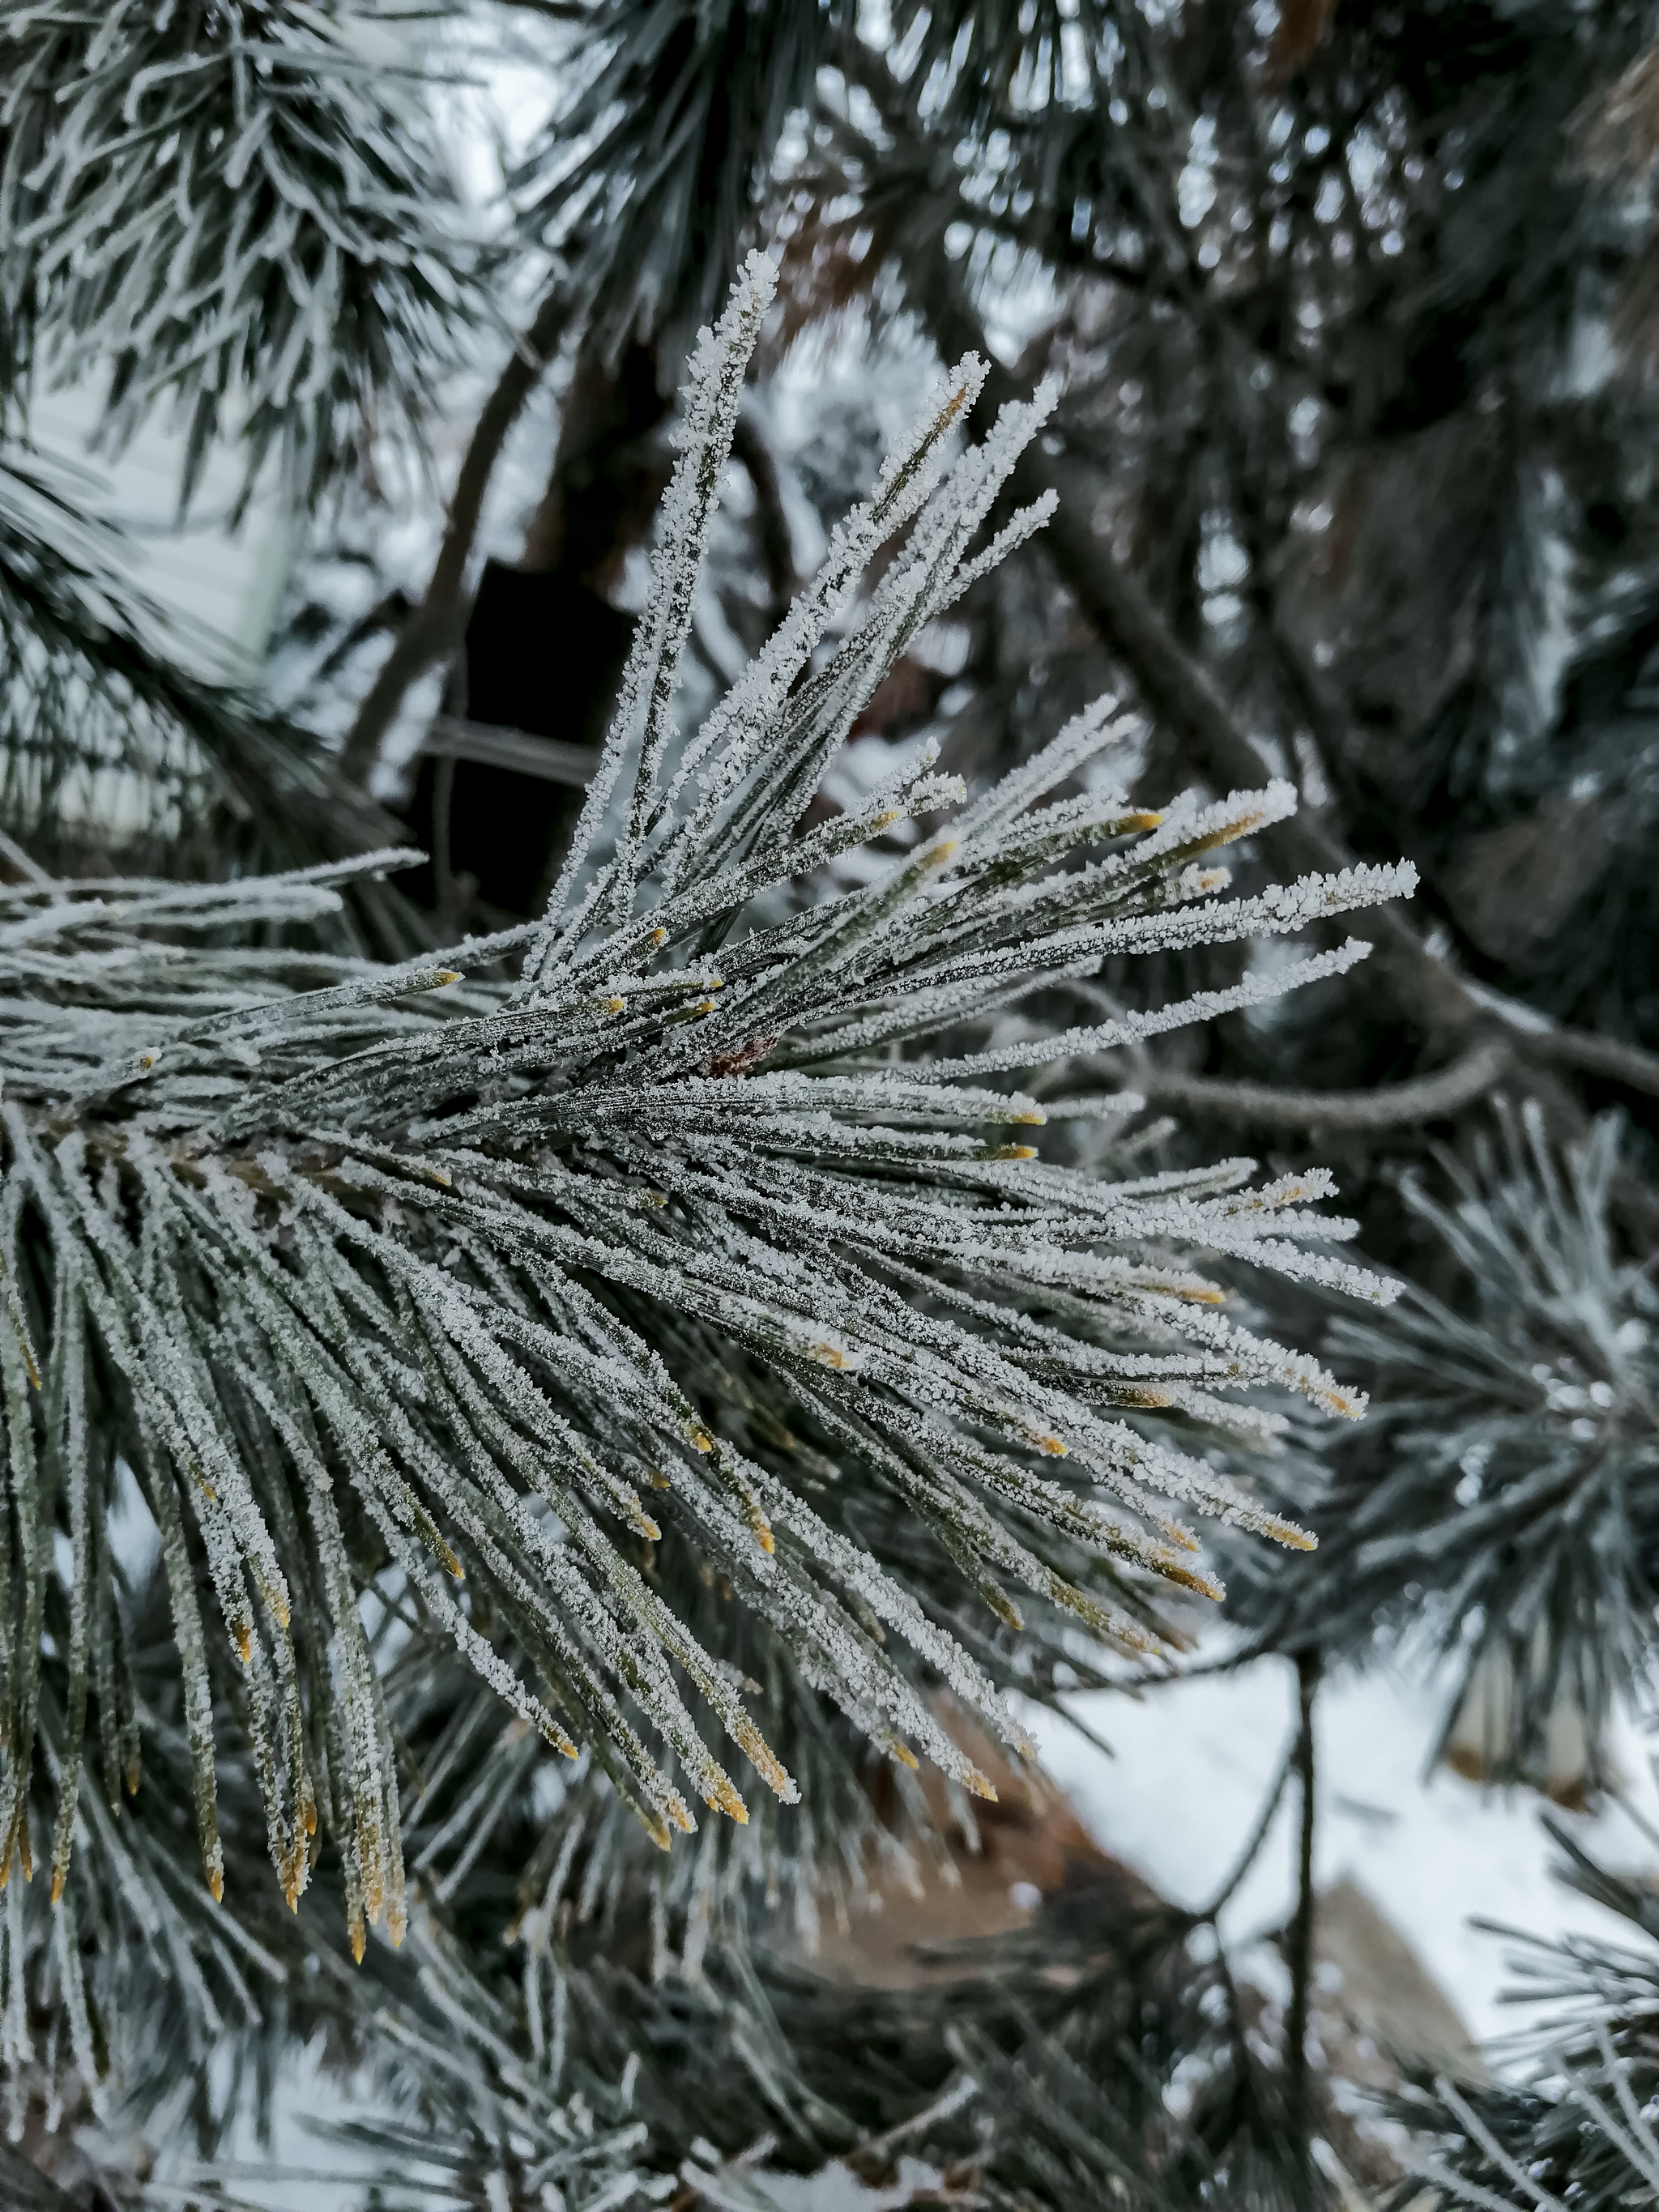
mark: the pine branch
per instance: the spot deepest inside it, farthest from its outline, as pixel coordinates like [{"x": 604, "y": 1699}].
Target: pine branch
[
  {"x": 379, "y": 1276},
  {"x": 1573, "y": 2122},
  {"x": 648, "y": 176},
  {"x": 108, "y": 740},
  {"x": 1510, "y": 1478},
  {"x": 1300, "y": 1948},
  {"x": 234, "y": 211},
  {"x": 1471, "y": 1078},
  {"x": 1610, "y": 1057}
]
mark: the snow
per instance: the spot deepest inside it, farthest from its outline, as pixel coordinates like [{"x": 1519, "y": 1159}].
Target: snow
[{"x": 1195, "y": 1759}]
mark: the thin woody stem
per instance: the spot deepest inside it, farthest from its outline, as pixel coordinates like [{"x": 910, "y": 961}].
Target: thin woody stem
[
  {"x": 433, "y": 627},
  {"x": 1302, "y": 1927}
]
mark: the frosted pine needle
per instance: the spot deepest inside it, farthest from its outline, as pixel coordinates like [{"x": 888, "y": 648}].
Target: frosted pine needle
[{"x": 496, "y": 1295}]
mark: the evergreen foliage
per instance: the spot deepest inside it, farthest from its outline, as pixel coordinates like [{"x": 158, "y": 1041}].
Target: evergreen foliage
[
  {"x": 1580, "y": 2131},
  {"x": 1327, "y": 290},
  {"x": 1499, "y": 1506},
  {"x": 467, "y": 1401},
  {"x": 348, "y": 1262},
  {"x": 647, "y": 177},
  {"x": 236, "y": 209}
]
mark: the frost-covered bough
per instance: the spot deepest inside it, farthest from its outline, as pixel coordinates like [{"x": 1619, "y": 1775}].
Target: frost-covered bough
[
  {"x": 669, "y": 1256},
  {"x": 1572, "y": 2124},
  {"x": 241, "y": 210},
  {"x": 1501, "y": 1513}
]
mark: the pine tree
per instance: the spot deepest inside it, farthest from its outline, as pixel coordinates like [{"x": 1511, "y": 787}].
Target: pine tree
[{"x": 484, "y": 1397}]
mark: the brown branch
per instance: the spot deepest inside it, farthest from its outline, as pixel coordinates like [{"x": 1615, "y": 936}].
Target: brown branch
[
  {"x": 777, "y": 547},
  {"x": 435, "y": 626},
  {"x": 1301, "y": 1945},
  {"x": 1385, "y": 1106},
  {"x": 1595, "y": 1055}
]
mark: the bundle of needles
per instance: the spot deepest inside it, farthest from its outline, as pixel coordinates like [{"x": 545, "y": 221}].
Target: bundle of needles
[{"x": 494, "y": 1291}]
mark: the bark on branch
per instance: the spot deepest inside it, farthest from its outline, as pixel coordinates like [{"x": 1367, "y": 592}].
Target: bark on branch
[
  {"x": 435, "y": 626},
  {"x": 1385, "y": 1106},
  {"x": 1596, "y": 1056},
  {"x": 777, "y": 548}
]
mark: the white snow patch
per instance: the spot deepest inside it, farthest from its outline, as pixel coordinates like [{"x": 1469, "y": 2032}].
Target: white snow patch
[{"x": 1195, "y": 1759}]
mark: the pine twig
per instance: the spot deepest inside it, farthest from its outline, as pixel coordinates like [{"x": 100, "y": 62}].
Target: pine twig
[
  {"x": 1612, "y": 1057},
  {"x": 240, "y": 216},
  {"x": 1302, "y": 1927},
  {"x": 433, "y": 627},
  {"x": 1252, "y": 1850},
  {"x": 1434, "y": 1097}
]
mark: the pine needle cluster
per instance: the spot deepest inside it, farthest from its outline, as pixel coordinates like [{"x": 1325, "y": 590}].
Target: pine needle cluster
[
  {"x": 1498, "y": 1510},
  {"x": 238, "y": 209},
  {"x": 1577, "y": 2129},
  {"x": 520, "y": 1297}
]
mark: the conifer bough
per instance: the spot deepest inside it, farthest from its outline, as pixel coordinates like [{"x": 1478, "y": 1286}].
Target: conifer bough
[
  {"x": 1500, "y": 1512},
  {"x": 482, "y": 1290},
  {"x": 238, "y": 202}
]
